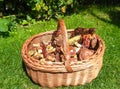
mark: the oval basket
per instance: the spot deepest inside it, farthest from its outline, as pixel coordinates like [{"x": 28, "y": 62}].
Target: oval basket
[{"x": 54, "y": 74}]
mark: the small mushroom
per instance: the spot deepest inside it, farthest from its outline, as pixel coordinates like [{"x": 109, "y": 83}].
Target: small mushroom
[
  {"x": 51, "y": 57},
  {"x": 38, "y": 55},
  {"x": 73, "y": 54},
  {"x": 31, "y": 52},
  {"x": 42, "y": 61},
  {"x": 72, "y": 51},
  {"x": 93, "y": 41},
  {"x": 74, "y": 58},
  {"x": 36, "y": 45},
  {"x": 44, "y": 52},
  {"x": 74, "y": 39},
  {"x": 39, "y": 50},
  {"x": 50, "y": 49},
  {"x": 78, "y": 45}
]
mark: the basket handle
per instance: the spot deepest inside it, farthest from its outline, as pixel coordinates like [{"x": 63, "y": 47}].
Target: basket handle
[
  {"x": 62, "y": 37},
  {"x": 67, "y": 66}
]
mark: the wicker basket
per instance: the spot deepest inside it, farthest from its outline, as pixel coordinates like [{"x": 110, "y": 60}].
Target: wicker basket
[{"x": 55, "y": 74}]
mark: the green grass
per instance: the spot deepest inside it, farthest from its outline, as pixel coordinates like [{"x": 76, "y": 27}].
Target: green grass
[{"x": 107, "y": 22}]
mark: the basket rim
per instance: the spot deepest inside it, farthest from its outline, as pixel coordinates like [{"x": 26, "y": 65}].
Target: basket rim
[{"x": 59, "y": 66}]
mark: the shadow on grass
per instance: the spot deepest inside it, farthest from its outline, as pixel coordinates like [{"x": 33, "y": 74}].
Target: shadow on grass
[
  {"x": 24, "y": 69},
  {"x": 114, "y": 16},
  {"x": 4, "y": 34}
]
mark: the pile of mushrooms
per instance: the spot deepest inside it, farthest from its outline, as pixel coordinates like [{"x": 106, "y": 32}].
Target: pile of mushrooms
[{"x": 81, "y": 45}]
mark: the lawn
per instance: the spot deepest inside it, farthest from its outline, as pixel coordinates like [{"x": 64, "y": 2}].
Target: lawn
[{"x": 107, "y": 22}]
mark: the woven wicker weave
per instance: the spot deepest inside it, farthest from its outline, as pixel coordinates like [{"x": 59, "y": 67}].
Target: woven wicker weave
[{"x": 55, "y": 74}]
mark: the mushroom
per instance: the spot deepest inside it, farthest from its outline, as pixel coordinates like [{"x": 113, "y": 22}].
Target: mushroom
[
  {"x": 83, "y": 31},
  {"x": 51, "y": 57},
  {"x": 50, "y": 49},
  {"x": 93, "y": 41},
  {"x": 44, "y": 52},
  {"x": 85, "y": 53},
  {"x": 86, "y": 40},
  {"x": 74, "y": 39}
]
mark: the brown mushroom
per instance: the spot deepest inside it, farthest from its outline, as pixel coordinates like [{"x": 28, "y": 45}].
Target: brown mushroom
[
  {"x": 44, "y": 52},
  {"x": 93, "y": 41},
  {"x": 85, "y": 53},
  {"x": 83, "y": 31},
  {"x": 86, "y": 40}
]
